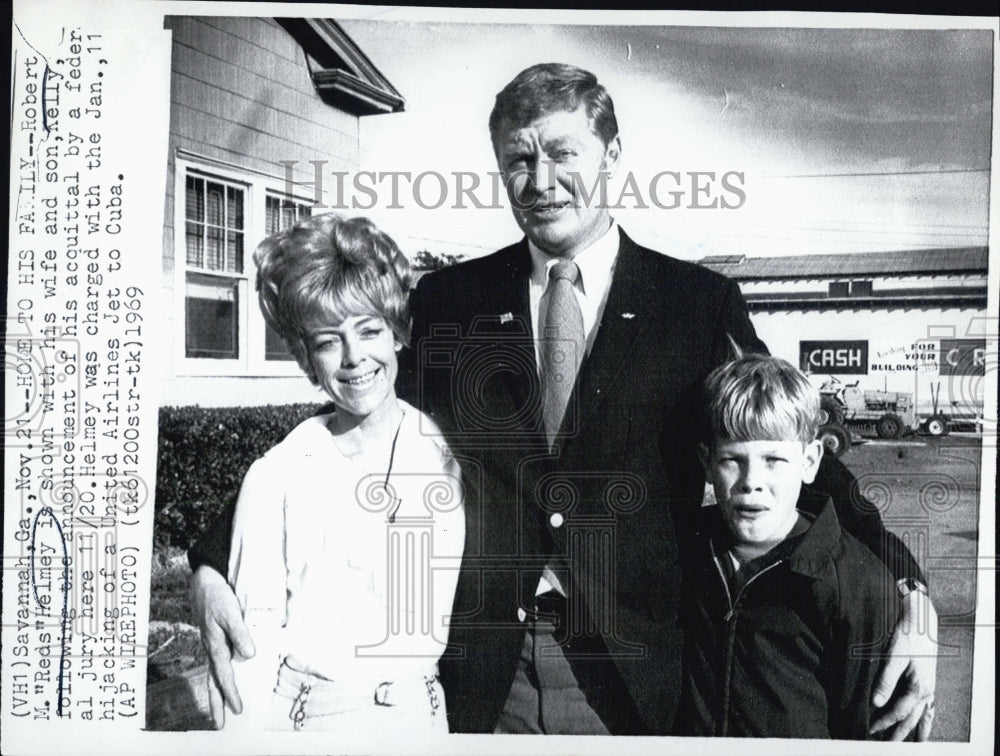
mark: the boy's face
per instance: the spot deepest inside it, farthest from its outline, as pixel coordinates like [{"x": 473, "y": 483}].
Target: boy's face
[{"x": 757, "y": 484}]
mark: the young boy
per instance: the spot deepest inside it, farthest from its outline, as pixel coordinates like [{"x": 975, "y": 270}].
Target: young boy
[{"x": 786, "y": 615}]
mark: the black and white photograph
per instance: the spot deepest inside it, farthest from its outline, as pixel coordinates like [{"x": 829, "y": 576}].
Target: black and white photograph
[{"x": 445, "y": 378}]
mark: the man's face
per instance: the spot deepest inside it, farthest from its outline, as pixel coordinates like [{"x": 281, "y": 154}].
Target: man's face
[
  {"x": 550, "y": 167},
  {"x": 757, "y": 484}
]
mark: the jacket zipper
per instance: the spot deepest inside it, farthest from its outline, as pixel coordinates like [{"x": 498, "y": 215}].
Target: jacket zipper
[
  {"x": 723, "y": 722},
  {"x": 734, "y": 603}
]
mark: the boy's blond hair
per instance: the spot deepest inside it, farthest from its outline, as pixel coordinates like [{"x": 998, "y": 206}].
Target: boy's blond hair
[{"x": 756, "y": 397}]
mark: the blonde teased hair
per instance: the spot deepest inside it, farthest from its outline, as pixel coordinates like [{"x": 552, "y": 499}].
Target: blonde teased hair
[{"x": 328, "y": 267}]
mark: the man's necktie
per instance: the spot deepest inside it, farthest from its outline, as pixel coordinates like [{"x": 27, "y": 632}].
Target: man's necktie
[{"x": 562, "y": 346}]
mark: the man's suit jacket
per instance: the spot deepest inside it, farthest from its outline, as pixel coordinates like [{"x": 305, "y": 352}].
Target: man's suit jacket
[{"x": 602, "y": 509}]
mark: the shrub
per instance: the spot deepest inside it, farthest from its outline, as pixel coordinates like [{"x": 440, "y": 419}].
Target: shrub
[{"x": 202, "y": 456}]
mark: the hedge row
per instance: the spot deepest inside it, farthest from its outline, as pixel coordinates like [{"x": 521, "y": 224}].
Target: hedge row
[{"x": 202, "y": 456}]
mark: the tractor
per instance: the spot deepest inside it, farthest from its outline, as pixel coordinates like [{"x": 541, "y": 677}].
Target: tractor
[{"x": 844, "y": 406}]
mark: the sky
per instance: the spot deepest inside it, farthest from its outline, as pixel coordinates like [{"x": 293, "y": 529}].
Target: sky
[{"x": 845, "y": 139}]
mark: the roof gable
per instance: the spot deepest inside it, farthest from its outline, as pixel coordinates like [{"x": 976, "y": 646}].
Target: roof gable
[{"x": 343, "y": 75}]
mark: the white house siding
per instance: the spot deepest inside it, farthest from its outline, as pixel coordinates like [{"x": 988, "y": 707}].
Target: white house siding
[{"x": 241, "y": 94}]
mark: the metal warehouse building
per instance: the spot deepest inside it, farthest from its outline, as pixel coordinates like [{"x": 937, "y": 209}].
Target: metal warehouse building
[{"x": 911, "y": 321}]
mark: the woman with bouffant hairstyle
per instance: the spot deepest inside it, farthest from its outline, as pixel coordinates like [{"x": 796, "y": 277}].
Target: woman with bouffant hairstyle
[
  {"x": 330, "y": 264},
  {"x": 335, "y": 526}
]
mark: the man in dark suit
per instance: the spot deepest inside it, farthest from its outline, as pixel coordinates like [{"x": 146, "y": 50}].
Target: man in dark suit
[{"x": 574, "y": 428}]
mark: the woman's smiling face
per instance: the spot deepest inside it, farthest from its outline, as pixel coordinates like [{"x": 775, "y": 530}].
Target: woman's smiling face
[{"x": 355, "y": 362}]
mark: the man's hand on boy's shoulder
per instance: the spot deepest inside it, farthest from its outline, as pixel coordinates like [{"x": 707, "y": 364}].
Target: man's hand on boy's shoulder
[{"x": 904, "y": 690}]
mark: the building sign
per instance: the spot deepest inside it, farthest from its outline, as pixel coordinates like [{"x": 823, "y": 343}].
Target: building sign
[
  {"x": 963, "y": 357},
  {"x": 920, "y": 356},
  {"x": 834, "y": 357}
]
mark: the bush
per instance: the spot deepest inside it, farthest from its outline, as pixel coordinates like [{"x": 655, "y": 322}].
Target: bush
[{"x": 202, "y": 456}]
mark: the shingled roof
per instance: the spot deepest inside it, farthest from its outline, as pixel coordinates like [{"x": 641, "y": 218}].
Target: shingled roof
[{"x": 948, "y": 260}]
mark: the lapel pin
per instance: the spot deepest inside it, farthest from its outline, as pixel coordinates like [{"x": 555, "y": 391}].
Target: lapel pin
[
  {"x": 628, "y": 315},
  {"x": 506, "y": 318}
]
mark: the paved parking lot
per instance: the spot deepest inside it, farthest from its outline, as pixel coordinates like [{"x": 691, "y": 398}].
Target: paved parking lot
[{"x": 928, "y": 492}]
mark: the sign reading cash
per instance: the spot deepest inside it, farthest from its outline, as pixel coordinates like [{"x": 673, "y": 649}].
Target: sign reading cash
[{"x": 834, "y": 357}]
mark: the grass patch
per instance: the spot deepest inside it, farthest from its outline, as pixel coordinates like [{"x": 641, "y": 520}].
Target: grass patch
[{"x": 174, "y": 640}]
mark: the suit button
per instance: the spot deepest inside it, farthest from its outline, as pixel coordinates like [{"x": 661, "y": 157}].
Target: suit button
[{"x": 556, "y": 520}]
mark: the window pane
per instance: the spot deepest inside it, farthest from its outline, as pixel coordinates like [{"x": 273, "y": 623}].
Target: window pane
[
  {"x": 194, "y": 203},
  {"x": 215, "y": 228},
  {"x": 272, "y": 215},
  {"x": 215, "y": 203},
  {"x": 195, "y": 244},
  {"x": 282, "y": 213},
  {"x": 275, "y": 348},
  {"x": 234, "y": 252},
  {"x": 861, "y": 288},
  {"x": 235, "y": 205},
  {"x": 214, "y": 256},
  {"x": 211, "y": 314},
  {"x": 214, "y": 241}
]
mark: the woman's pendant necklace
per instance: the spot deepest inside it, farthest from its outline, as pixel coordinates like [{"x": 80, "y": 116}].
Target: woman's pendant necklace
[{"x": 394, "y": 501}]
